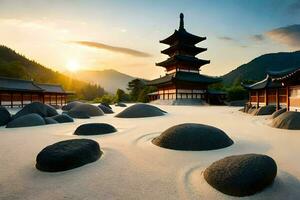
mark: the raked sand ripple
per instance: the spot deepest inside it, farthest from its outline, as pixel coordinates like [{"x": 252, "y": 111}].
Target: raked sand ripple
[{"x": 133, "y": 168}]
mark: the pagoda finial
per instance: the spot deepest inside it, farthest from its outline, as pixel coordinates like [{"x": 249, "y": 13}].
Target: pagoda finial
[{"x": 181, "y": 25}]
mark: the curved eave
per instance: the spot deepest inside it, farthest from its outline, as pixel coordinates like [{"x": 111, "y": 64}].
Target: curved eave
[
  {"x": 161, "y": 81},
  {"x": 285, "y": 75},
  {"x": 258, "y": 85},
  {"x": 263, "y": 84},
  {"x": 192, "y": 50},
  {"x": 184, "y": 77},
  {"x": 201, "y": 79},
  {"x": 182, "y": 35},
  {"x": 192, "y": 61}
]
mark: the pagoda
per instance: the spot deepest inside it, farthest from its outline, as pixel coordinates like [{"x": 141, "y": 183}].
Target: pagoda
[{"x": 182, "y": 79}]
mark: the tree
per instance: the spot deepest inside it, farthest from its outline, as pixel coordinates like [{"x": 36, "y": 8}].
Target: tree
[
  {"x": 217, "y": 86},
  {"x": 143, "y": 95},
  {"x": 90, "y": 91},
  {"x": 135, "y": 87},
  {"x": 121, "y": 96},
  {"x": 236, "y": 93}
]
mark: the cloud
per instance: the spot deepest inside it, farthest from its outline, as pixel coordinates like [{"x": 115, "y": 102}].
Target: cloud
[
  {"x": 289, "y": 35},
  {"x": 123, "y": 50},
  {"x": 233, "y": 41},
  {"x": 257, "y": 37},
  {"x": 226, "y": 38}
]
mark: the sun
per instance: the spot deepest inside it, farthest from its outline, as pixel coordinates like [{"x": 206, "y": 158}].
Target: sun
[{"x": 72, "y": 65}]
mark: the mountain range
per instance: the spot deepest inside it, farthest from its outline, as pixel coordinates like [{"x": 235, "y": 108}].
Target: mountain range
[
  {"x": 257, "y": 68},
  {"x": 110, "y": 79}
]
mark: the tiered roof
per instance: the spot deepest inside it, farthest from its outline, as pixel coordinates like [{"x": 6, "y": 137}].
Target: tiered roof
[
  {"x": 182, "y": 50},
  {"x": 191, "y": 61},
  {"x": 181, "y": 35},
  {"x": 189, "y": 49},
  {"x": 184, "y": 77}
]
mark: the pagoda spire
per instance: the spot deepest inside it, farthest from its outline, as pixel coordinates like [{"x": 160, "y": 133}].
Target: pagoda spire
[{"x": 181, "y": 24}]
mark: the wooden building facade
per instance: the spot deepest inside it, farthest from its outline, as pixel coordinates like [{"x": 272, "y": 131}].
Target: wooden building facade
[
  {"x": 16, "y": 92},
  {"x": 281, "y": 89},
  {"x": 182, "y": 79}
]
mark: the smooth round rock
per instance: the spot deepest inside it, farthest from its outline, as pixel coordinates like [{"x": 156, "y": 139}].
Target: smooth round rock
[
  {"x": 39, "y": 108},
  {"x": 95, "y": 129},
  {"x": 5, "y": 116},
  {"x": 193, "y": 137},
  {"x": 120, "y": 104},
  {"x": 89, "y": 109},
  {"x": 77, "y": 114},
  {"x": 105, "y": 109},
  {"x": 287, "y": 120},
  {"x": 241, "y": 175},
  {"x": 70, "y": 105},
  {"x": 278, "y": 112},
  {"x": 67, "y": 155},
  {"x": 63, "y": 118},
  {"x": 32, "y": 119},
  {"x": 106, "y": 104},
  {"x": 49, "y": 120},
  {"x": 265, "y": 110},
  {"x": 140, "y": 110}
]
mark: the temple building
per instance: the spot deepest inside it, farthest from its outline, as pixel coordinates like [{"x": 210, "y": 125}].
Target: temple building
[
  {"x": 183, "y": 79},
  {"x": 17, "y": 92},
  {"x": 281, "y": 89}
]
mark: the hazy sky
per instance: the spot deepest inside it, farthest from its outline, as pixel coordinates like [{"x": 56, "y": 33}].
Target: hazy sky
[{"x": 124, "y": 34}]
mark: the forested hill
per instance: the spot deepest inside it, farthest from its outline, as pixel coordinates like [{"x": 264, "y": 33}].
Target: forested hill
[
  {"x": 258, "y": 67},
  {"x": 15, "y": 65}
]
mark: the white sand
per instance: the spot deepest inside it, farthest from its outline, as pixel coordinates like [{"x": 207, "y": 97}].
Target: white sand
[{"x": 133, "y": 168}]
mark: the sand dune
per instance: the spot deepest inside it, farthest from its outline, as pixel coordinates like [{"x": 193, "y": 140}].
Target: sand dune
[{"x": 133, "y": 168}]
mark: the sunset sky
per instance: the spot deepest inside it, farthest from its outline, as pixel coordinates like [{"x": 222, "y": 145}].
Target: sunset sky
[{"x": 124, "y": 35}]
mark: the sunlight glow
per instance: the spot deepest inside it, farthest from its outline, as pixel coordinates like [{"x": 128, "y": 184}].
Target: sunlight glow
[{"x": 72, "y": 65}]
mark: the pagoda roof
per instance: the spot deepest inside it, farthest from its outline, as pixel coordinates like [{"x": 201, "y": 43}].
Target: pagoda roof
[
  {"x": 20, "y": 85},
  {"x": 51, "y": 88},
  {"x": 192, "y": 50},
  {"x": 284, "y": 74},
  {"x": 191, "y": 60},
  {"x": 186, "y": 77},
  {"x": 263, "y": 84},
  {"x": 182, "y": 35},
  {"x": 11, "y": 84}
]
